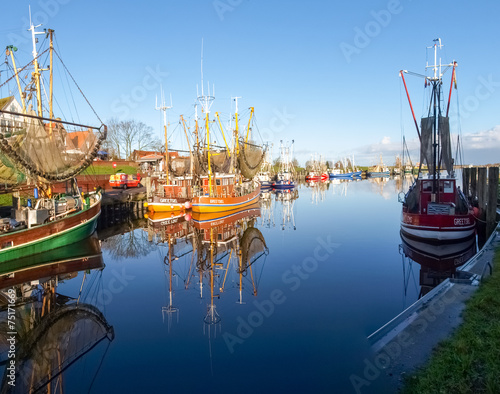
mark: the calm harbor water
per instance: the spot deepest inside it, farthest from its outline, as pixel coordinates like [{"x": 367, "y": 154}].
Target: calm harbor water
[{"x": 319, "y": 270}]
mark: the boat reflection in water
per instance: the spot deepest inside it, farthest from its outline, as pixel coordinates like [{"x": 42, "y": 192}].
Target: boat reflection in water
[
  {"x": 438, "y": 261},
  {"x": 52, "y": 330},
  {"x": 226, "y": 252},
  {"x": 286, "y": 200}
]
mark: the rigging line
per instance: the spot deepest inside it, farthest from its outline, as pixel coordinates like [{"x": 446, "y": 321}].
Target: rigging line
[
  {"x": 100, "y": 365},
  {"x": 71, "y": 94},
  {"x": 63, "y": 86},
  {"x": 22, "y": 68},
  {"x": 69, "y": 88},
  {"x": 78, "y": 88}
]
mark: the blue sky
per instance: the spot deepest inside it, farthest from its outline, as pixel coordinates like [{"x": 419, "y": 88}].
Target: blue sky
[{"x": 322, "y": 73}]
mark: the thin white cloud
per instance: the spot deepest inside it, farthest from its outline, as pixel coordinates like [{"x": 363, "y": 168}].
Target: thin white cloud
[
  {"x": 486, "y": 139},
  {"x": 481, "y": 147}
]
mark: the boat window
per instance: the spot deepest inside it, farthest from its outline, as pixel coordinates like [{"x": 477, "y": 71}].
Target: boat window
[
  {"x": 217, "y": 182},
  {"x": 427, "y": 186},
  {"x": 448, "y": 186}
]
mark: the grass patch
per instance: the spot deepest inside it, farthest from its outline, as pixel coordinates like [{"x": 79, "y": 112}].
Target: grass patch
[
  {"x": 108, "y": 170},
  {"x": 468, "y": 362},
  {"x": 6, "y": 200}
]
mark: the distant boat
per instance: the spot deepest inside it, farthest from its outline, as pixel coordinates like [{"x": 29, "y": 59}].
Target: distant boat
[
  {"x": 41, "y": 150},
  {"x": 284, "y": 178},
  {"x": 317, "y": 170},
  {"x": 264, "y": 176},
  {"x": 315, "y": 176},
  {"x": 345, "y": 169},
  {"x": 379, "y": 170},
  {"x": 434, "y": 208}
]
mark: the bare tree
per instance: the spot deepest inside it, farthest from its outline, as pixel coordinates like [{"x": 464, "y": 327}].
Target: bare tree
[{"x": 125, "y": 136}]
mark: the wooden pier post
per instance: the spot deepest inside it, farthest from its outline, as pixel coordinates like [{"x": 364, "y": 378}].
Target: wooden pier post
[
  {"x": 492, "y": 200},
  {"x": 473, "y": 183},
  {"x": 466, "y": 181},
  {"x": 482, "y": 187}
]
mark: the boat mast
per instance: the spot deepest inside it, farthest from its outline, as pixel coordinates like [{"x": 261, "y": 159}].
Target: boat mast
[
  {"x": 236, "y": 127},
  {"x": 164, "y": 108},
  {"x": 10, "y": 51},
  {"x": 249, "y": 120},
  {"x": 36, "y": 74},
  {"x": 436, "y": 86},
  {"x": 206, "y": 102},
  {"x": 51, "y": 73},
  {"x": 191, "y": 157}
]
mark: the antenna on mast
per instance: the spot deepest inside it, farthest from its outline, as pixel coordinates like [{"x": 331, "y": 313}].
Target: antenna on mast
[
  {"x": 163, "y": 107},
  {"x": 205, "y": 101}
]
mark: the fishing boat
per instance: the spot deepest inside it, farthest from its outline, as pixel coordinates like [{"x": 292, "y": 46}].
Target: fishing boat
[
  {"x": 434, "y": 208},
  {"x": 264, "y": 176},
  {"x": 315, "y": 176},
  {"x": 345, "y": 169},
  {"x": 317, "y": 171},
  {"x": 379, "y": 170},
  {"x": 172, "y": 192},
  {"x": 398, "y": 166},
  {"x": 284, "y": 178},
  {"x": 37, "y": 152},
  {"x": 227, "y": 182}
]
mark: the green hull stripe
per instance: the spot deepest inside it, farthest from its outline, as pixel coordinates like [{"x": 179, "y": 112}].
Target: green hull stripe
[{"x": 69, "y": 236}]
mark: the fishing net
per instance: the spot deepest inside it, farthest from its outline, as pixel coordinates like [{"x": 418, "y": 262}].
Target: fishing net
[
  {"x": 50, "y": 149},
  {"x": 219, "y": 161},
  {"x": 250, "y": 159},
  {"x": 180, "y": 166}
]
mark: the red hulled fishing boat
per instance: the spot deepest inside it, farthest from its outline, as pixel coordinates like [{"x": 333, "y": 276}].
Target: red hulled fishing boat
[{"x": 434, "y": 208}]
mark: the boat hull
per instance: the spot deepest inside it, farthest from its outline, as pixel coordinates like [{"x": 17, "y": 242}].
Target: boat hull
[
  {"x": 439, "y": 228},
  {"x": 206, "y": 204},
  {"x": 317, "y": 178},
  {"x": 40, "y": 239},
  {"x": 167, "y": 204},
  {"x": 283, "y": 185},
  {"x": 378, "y": 174},
  {"x": 348, "y": 175},
  {"x": 209, "y": 220}
]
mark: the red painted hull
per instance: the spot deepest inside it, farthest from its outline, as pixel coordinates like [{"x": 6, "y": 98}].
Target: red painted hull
[
  {"x": 438, "y": 227},
  {"x": 317, "y": 178}
]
